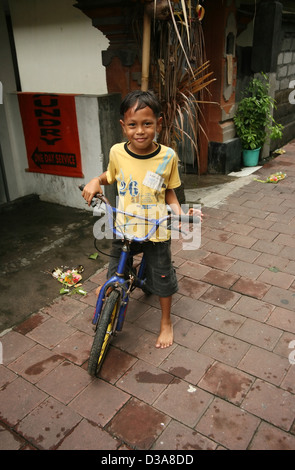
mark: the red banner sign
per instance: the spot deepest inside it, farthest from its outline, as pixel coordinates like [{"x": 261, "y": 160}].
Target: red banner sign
[{"x": 51, "y": 133}]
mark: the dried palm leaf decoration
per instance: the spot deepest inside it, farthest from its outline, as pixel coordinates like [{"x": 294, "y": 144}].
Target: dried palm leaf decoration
[{"x": 176, "y": 68}]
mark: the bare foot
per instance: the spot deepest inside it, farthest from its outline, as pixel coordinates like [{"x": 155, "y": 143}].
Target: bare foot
[{"x": 165, "y": 339}]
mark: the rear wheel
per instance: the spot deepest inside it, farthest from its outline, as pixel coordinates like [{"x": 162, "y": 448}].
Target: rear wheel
[{"x": 104, "y": 332}]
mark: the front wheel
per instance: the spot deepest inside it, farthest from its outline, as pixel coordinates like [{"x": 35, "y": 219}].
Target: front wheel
[{"x": 103, "y": 332}]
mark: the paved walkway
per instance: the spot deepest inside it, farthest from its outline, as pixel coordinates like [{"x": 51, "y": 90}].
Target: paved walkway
[{"x": 226, "y": 383}]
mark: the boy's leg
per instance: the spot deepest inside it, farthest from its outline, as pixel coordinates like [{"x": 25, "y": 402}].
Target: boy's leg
[
  {"x": 165, "y": 338},
  {"x": 161, "y": 281}
]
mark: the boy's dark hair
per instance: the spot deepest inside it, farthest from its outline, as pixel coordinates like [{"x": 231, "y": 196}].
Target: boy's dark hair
[{"x": 142, "y": 99}]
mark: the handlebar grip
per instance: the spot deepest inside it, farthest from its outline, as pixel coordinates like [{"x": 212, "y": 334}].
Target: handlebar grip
[
  {"x": 189, "y": 219},
  {"x": 93, "y": 202}
]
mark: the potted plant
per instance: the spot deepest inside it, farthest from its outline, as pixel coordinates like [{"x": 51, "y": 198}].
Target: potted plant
[{"x": 254, "y": 121}]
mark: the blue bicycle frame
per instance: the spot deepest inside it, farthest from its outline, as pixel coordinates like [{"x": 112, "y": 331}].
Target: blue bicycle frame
[{"x": 118, "y": 280}]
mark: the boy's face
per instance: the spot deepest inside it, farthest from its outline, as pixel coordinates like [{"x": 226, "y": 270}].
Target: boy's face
[{"x": 140, "y": 128}]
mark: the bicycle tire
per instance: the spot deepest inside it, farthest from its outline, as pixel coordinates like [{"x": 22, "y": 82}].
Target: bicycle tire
[{"x": 103, "y": 332}]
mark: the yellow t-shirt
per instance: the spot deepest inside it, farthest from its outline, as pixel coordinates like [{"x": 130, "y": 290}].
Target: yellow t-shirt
[{"x": 142, "y": 181}]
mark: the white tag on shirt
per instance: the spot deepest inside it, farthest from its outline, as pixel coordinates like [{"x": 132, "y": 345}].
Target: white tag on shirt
[{"x": 153, "y": 181}]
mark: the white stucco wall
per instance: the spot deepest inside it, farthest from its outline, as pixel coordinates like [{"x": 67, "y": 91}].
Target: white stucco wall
[
  {"x": 59, "y": 189},
  {"x": 58, "y": 49}
]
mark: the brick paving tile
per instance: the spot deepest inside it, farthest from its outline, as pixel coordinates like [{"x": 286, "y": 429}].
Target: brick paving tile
[
  {"x": 270, "y": 248},
  {"x": 186, "y": 364},
  {"x": 36, "y": 363},
  {"x": 223, "y": 320},
  {"x": 220, "y": 278},
  {"x": 137, "y": 308},
  {"x": 276, "y": 278},
  {"x": 239, "y": 228},
  {"x": 192, "y": 287},
  {"x": 88, "y": 436},
  {"x": 125, "y": 339},
  {"x": 219, "y": 235},
  {"x": 237, "y": 217},
  {"x": 71, "y": 380},
  {"x": 10, "y": 440},
  {"x": 190, "y": 335},
  {"x": 285, "y": 239},
  {"x": 150, "y": 321},
  {"x": 284, "y": 345},
  {"x": 288, "y": 252},
  {"x": 245, "y": 241},
  {"x": 259, "y": 334},
  {"x": 289, "y": 381},
  {"x": 144, "y": 381},
  {"x": 190, "y": 309},
  {"x": 193, "y": 270},
  {"x": 253, "y": 308},
  {"x": 184, "y": 402},
  {"x": 264, "y": 234},
  {"x": 228, "y": 425},
  {"x": 290, "y": 268},
  {"x": 76, "y": 347},
  {"x": 194, "y": 255},
  {"x": 225, "y": 348},
  {"x": 261, "y": 223},
  {"x": 18, "y": 399},
  {"x": 244, "y": 254},
  {"x": 176, "y": 436},
  {"x": 50, "y": 333},
  {"x": 35, "y": 320},
  {"x": 281, "y": 298},
  {"x": 281, "y": 218},
  {"x": 138, "y": 424},
  {"x": 145, "y": 349},
  {"x": 115, "y": 364},
  {"x": 251, "y": 288},
  {"x": 6, "y": 376},
  {"x": 83, "y": 321},
  {"x": 271, "y": 404},
  {"x": 64, "y": 308},
  {"x": 99, "y": 402},
  {"x": 220, "y": 297},
  {"x": 226, "y": 382},
  {"x": 14, "y": 345},
  {"x": 218, "y": 247},
  {"x": 249, "y": 270},
  {"x": 264, "y": 364},
  {"x": 268, "y": 437},
  {"x": 48, "y": 424},
  {"x": 217, "y": 261}
]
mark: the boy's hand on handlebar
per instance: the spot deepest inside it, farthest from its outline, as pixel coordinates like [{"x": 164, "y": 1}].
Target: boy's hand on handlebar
[
  {"x": 91, "y": 189},
  {"x": 196, "y": 213}
]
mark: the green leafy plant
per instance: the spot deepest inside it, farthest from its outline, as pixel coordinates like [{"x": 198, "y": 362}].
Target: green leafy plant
[{"x": 254, "y": 121}]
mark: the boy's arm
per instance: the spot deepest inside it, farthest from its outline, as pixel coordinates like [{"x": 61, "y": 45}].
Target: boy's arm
[
  {"x": 94, "y": 187},
  {"x": 172, "y": 201}
]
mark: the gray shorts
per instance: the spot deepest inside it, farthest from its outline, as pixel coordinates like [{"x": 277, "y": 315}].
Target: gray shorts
[{"x": 160, "y": 274}]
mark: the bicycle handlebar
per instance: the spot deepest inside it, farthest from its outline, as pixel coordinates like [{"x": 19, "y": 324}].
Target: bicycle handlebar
[{"x": 190, "y": 219}]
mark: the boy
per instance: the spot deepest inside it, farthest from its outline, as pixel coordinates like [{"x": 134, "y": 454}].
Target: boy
[{"x": 146, "y": 175}]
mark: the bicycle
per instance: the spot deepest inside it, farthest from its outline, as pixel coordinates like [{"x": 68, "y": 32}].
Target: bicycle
[{"x": 113, "y": 298}]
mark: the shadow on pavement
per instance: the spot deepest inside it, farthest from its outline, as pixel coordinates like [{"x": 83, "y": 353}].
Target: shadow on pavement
[{"x": 35, "y": 238}]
